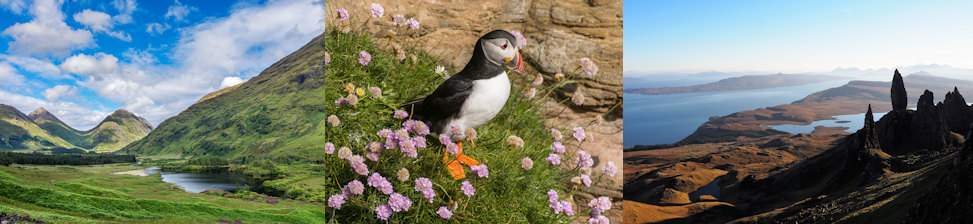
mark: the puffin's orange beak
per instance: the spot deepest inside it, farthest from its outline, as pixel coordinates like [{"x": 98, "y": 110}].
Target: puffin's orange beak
[{"x": 520, "y": 64}]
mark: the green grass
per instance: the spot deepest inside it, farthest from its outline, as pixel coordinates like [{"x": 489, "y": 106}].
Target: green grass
[
  {"x": 84, "y": 194},
  {"x": 510, "y": 194}
]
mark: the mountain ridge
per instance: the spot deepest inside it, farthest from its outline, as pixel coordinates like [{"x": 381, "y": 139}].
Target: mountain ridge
[{"x": 42, "y": 130}]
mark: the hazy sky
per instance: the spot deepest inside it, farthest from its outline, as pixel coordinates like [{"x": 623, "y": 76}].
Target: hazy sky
[
  {"x": 82, "y": 60},
  {"x": 795, "y": 36}
]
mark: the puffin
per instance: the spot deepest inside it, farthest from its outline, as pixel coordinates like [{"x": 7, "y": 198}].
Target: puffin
[{"x": 471, "y": 97}]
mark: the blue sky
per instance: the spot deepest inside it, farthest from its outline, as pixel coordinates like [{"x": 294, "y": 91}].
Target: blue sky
[
  {"x": 795, "y": 36},
  {"x": 83, "y": 59}
]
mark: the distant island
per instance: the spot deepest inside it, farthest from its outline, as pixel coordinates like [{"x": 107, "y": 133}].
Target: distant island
[{"x": 740, "y": 83}]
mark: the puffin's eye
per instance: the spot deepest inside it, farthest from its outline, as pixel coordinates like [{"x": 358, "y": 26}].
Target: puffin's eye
[{"x": 504, "y": 47}]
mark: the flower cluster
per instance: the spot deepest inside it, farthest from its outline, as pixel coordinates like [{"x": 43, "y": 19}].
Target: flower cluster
[
  {"x": 402, "y": 138},
  {"x": 468, "y": 189},
  {"x": 379, "y": 182},
  {"x": 589, "y": 67},
  {"x": 424, "y": 185},
  {"x": 598, "y": 206},
  {"x": 559, "y": 206}
]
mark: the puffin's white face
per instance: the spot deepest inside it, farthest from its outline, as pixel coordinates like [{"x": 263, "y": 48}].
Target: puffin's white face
[{"x": 500, "y": 51}]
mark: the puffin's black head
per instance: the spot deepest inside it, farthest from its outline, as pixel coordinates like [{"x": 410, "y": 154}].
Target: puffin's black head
[{"x": 500, "y": 48}]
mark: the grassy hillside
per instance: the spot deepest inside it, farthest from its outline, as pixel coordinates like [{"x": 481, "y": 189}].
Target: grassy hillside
[
  {"x": 89, "y": 194},
  {"x": 41, "y": 130},
  {"x": 19, "y": 132},
  {"x": 275, "y": 114}
]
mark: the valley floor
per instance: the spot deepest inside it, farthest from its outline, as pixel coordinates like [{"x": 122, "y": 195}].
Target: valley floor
[{"x": 84, "y": 194}]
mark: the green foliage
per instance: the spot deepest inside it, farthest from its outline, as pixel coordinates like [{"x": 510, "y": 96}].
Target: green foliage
[
  {"x": 64, "y": 159},
  {"x": 85, "y": 189},
  {"x": 208, "y": 161},
  {"x": 510, "y": 194}
]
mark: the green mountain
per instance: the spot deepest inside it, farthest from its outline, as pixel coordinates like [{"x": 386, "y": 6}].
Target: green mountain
[
  {"x": 42, "y": 130},
  {"x": 279, "y": 112},
  {"x": 19, "y": 132}
]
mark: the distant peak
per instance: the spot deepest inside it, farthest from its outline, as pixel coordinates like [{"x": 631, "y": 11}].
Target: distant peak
[
  {"x": 122, "y": 112},
  {"x": 39, "y": 111}
]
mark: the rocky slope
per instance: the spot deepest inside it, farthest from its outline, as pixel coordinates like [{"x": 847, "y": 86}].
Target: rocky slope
[
  {"x": 905, "y": 166},
  {"x": 279, "y": 112}
]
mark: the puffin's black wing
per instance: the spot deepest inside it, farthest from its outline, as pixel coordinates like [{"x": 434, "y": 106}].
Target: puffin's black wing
[{"x": 443, "y": 103}]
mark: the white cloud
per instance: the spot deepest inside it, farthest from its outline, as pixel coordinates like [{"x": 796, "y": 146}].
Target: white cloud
[
  {"x": 43, "y": 68},
  {"x": 73, "y": 114},
  {"x": 46, "y": 33},
  {"x": 178, "y": 11},
  {"x": 230, "y": 81},
  {"x": 9, "y": 76},
  {"x": 125, "y": 10},
  {"x": 15, "y": 6},
  {"x": 98, "y": 65},
  {"x": 60, "y": 91},
  {"x": 100, "y": 22},
  {"x": 156, "y": 28},
  {"x": 97, "y": 21}
]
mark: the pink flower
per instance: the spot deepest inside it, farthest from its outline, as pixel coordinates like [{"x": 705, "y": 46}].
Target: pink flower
[
  {"x": 403, "y": 174},
  {"x": 599, "y": 219},
  {"x": 358, "y": 163},
  {"x": 377, "y": 10},
  {"x": 586, "y": 180},
  {"x": 538, "y": 79},
  {"x": 609, "y": 169},
  {"x": 419, "y": 141},
  {"x": 400, "y": 114},
  {"x": 468, "y": 189},
  {"x": 378, "y": 181},
  {"x": 527, "y": 163},
  {"x": 352, "y": 99},
  {"x": 578, "y": 133},
  {"x": 480, "y": 170},
  {"x": 413, "y": 23},
  {"x": 557, "y": 147},
  {"x": 552, "y": 196},
  {"x": 383, "y": 212},
  {"x": 399, "y": 203},
  {"x": 376, "y": 92},
  {"x": 424, "y": 185},
  {"x": 556, "y": 134},
  {"x": 521, "y": 41},
  {"x": 364, "y": 58},
  {"x": 344, "y": 153},
  {"x": 567, "y": 208},
  {"x": 599, "y": 205},
  {"x": 444, "y": 139},
  {"x": 556, "y": 206},
  {"x": 452, "y": 148},
  {"x": 372, "y": 156},
  {"x": 355, "y": 187},
  {"x": 444, "y": 212},
  {"x": 529, "y": 93},
  {"x": 554, "y": 159},
  {"x": 455, "y": 130},
  {"x": 584, "y": 159},
  {"x": 328, "y": 147},
  {"x": 588, "y": 66},
  {"x": 342, "y": 15},
  {"x": 384, "y": 133},
  {"x": 398, "y": 20},
  {"x": 335, "y": 201},
  {"x": 334, "y": 121},
  {"x": 327, "y": 58},
  {"x": 375, "y": 147}
]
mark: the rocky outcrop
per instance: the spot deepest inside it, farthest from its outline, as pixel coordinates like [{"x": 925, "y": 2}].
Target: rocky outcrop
[
  {"x": 867, "y": 157},
  {"x": 950, "y": 200},
  {"x": 956, "y": 112},
  {"x": 928, "y": 124},
  {"x": 558, "y": 34},
  {"x": 899, "y": 96},
  {"x": 41, "y": 114}
]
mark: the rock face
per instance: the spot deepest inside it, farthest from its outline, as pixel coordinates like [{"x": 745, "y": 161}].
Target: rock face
[
  {"x": 558, "y": 33},
  {"x": 957, "y": 114},
  {"x": 928, "y": 124},
  {"x": 899, "y": 96},
  {"x": 867, "y": 158},
  {"x": 950, "y": 200}
]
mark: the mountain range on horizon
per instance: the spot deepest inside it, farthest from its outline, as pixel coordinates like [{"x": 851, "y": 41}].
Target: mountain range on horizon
[
  {"x": 41, "y": 130},
  {"x": 636, "y": 79}
]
